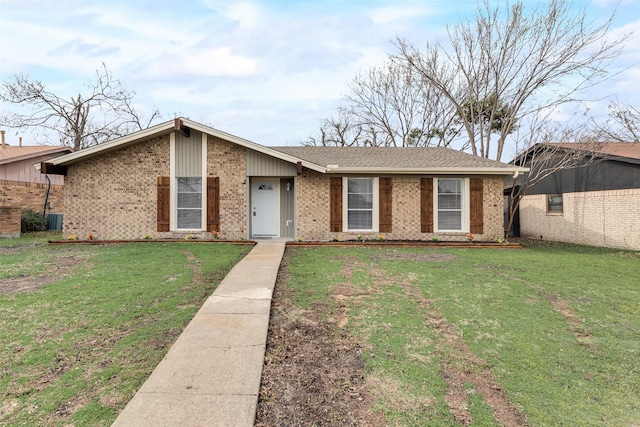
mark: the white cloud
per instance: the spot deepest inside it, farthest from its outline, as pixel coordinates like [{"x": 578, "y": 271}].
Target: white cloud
[
  {"x": 386, "y": 15},
  {"x": 266, "y": 70}
]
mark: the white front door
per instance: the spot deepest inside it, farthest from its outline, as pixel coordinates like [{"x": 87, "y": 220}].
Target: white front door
[{"x": 264, "y": 207}]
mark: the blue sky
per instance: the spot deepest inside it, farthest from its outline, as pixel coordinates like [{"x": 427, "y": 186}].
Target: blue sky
[{"x": 268, "y": 71}]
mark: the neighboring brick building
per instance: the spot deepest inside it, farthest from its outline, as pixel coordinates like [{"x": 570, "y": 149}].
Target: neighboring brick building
[
  {"x": 181, "y": 178},
  {"x": 23, "y": 187},
  {"x": 597, "y": 204}
]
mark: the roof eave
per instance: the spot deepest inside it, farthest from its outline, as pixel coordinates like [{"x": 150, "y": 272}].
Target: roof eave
[
  {"x": 32, "y": 155},
  {"x": 121, "y": 142},
  {"x": 428, "y": 171}
]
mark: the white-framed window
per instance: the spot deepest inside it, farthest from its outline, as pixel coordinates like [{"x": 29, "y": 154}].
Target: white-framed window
[
  {"x": 555, "y": 203},
  {"x": 189, "y": 203},
  {"x": 360, "y": 204},
  {"x": 451, "y": 202}
]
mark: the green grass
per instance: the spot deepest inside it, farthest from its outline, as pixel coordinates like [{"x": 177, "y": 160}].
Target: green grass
[
  {"x": 75, "y": 350},
  {"x": 557, "y": 326}
]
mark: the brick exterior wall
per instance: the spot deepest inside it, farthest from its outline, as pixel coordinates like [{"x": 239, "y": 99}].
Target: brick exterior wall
[
  {"x": 31, "y": 195},
  {"x": 10, "y": 221},
  {"x": 313, "y": 211},
  {"x": 598, "y": 218},
  {"x": 113, "y": 196},
  {"x": 312, "y": 206},
  {"x": 493, "y": 208},
  {"x": 228, "y": 162}
]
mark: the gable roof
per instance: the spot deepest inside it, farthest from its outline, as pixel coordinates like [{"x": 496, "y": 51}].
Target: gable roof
[
  {"x": 11, "y": 153},
  {"x": 396, "y": 160}
]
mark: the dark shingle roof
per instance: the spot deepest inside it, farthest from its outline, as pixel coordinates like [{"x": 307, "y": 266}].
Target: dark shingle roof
[
  {"x": 391, "y": 157},
  {"x": 629, "y": 150}
]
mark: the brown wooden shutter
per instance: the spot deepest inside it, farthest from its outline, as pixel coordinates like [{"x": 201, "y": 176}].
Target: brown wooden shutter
[
  {"x": 426, "y": 205},
  {"x": 476, "y": 202},
  {"x": 385, "y": 189},
  {"x": 213, "y": 203},
  {"x": 335, "y": 204},
  {"x": 164, "y": 209}
]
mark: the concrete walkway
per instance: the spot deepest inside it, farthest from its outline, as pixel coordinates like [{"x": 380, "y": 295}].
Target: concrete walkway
[{"x": 211, "y": 375}]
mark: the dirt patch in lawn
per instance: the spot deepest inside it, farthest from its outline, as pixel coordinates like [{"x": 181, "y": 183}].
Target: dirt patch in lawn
[
  {"x": 313, "y": 372},
  {"x": 58, "y": 268}
]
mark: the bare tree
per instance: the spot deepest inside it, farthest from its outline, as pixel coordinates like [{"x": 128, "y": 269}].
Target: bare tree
[
  {"x": 547, "y": 148},
  {"x": 390, "y": 106},
  {"x": 623, "y": 124},
  {"x": 102, "y": 112},
  {"x": 511, "y": 64}
]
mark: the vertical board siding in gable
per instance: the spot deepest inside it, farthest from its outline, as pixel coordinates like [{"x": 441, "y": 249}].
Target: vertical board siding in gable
[
  {"x": 385, "y": 189},
  {"x": 476, "y": 201},
  {"x": 259, "y": 164},
  {"x": 164, "y": 211},
  {"x": 189, "y": 155},
  {"x": 426, "y": 205},
  {"x": 213, "y": 203},
  {"x": 335, "y": 204}
]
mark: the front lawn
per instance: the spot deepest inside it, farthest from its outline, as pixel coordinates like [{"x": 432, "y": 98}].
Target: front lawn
[
  {"x": 82, "y": 327},
  {"x": 546, "y": 335}
]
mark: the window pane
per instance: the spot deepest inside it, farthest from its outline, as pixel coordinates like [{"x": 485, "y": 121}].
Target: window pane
[
  {"x": 360, "y": 220},
  {"x": 449, "y": 201},
  {"x": 449, "y": 220},
  {"x": 189, "y": 200},
  {"x": 360, "y": 201},
  {"x": 360, "y": 185},
  {"x": 189, "y": 218},
  {"x": 189, "y": 185},
  {"x": 449, "y": 186}
]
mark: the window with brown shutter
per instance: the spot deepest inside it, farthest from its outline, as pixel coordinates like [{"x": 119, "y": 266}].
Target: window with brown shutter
[
  {"x": 213, "y": 203},
  {"x": 385, "y": 189},
  {"x": 164, "y": 209},
  {"x": 476, "y": 208},
  {"x": 426, "y": 205},
  {"x": 335, "y": 204}
]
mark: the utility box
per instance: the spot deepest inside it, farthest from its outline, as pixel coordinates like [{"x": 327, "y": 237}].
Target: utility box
[{"x": 54, "y": 221}]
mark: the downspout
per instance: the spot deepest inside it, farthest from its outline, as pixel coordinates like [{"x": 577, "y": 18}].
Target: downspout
[{"x": 46, "y": 198}]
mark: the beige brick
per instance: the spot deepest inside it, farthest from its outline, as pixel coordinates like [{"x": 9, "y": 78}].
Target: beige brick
[
  {"x": 313, "y": 211},
  {"x": 598, "y": 218}
]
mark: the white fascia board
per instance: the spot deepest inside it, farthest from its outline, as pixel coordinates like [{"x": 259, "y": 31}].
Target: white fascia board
[
  {"x": 112, "y": 145},
  {"x": 427, "y": 171}
]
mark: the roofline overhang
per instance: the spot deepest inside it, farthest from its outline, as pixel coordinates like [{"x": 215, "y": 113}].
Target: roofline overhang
[
  {"x": 428, "y": 171},
  {"x": 22, "y": 157},
  {"x": 87, "y": 153},
  {"x": 171, "y": 126},
  {"x": 168, "y": 127}
]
